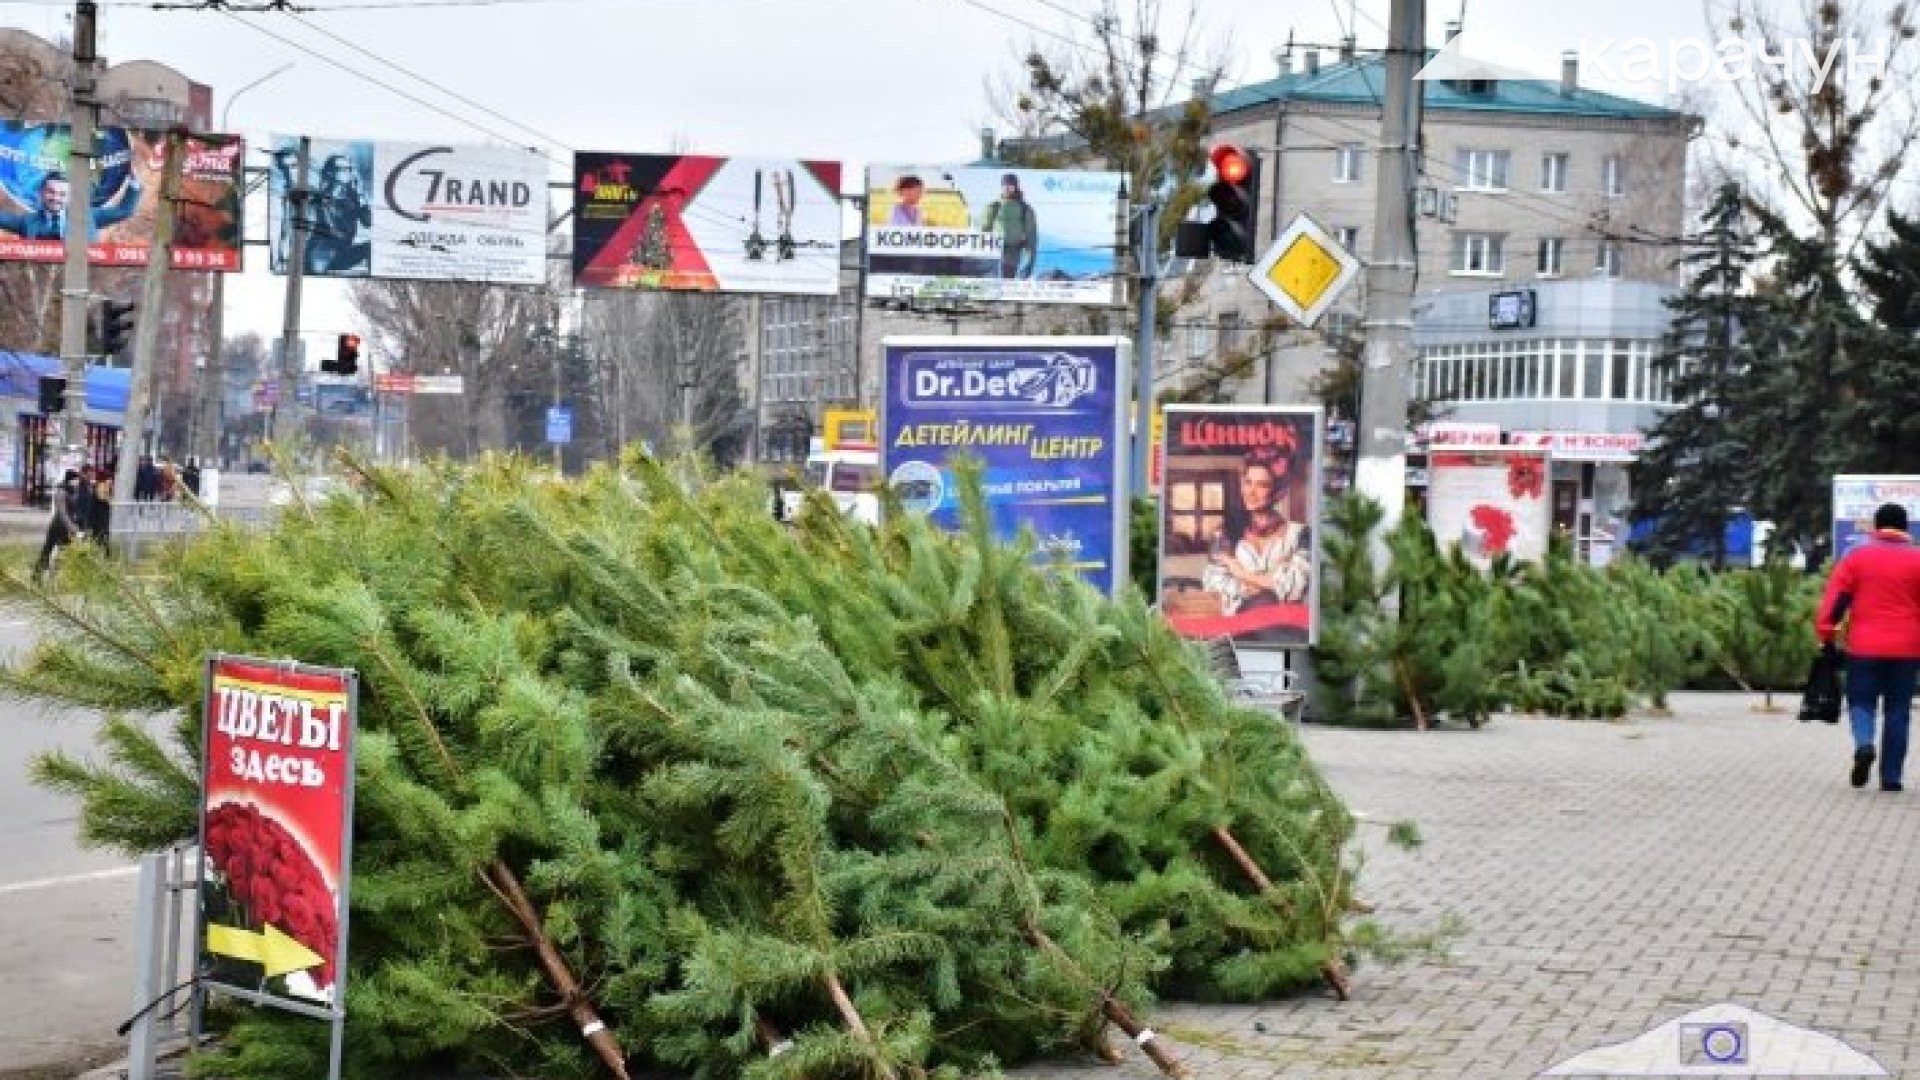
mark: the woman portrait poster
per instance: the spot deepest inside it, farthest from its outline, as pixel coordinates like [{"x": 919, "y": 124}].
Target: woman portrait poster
[{"x": 1238, "y": 516}]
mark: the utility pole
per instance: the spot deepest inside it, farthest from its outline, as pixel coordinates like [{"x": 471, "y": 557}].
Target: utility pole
[
  {"x": 76, "y": 295},
  {"x": 1147, "y": 256},
  {"x": 286, "y": 404},
  {"x": 153, "y": 298},
  {"x": 1382, "y": 446}
]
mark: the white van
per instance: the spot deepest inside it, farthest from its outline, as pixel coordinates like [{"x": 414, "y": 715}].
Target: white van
[{"x": 851, "y": 477}]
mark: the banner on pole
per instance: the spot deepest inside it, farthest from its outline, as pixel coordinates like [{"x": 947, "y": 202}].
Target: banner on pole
[
  {"x": 947, "y": 232},
  {"x": 413, "y": 211},
  {"x": 1045, "y": 415},
  {"x": 276, "y": 822},
  {"x": 1239, "y": 514},
  {"x": 706, "y": 224},
  {"x": 1490, "y": 501},
  {"x": 34, "y": 190}
]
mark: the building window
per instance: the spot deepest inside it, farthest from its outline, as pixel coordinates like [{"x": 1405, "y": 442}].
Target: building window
[
  {"x": 1610, "y": 261},
  {"x": 1347, "y": 158},
  {"x": 1349, "y": 237},
  {"x": 1553, "y": 172},
  {"x": 1229, "y": 331},
  {"x": 1620, "y": 376},
  {"x": 1593, "y": 367},
  {"x": 1479, "y": 253},
  {"x": 1569, "y": 353},
  {"x": 1552, "y": 253},
  {"x": 1481, "y": 170},
  {"x": 1197, "y": 340},
  {"x": 1613, "y": 177}
]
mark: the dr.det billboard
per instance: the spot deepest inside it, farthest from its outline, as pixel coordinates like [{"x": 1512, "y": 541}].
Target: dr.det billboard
[{"x": 1043, "y": 415}]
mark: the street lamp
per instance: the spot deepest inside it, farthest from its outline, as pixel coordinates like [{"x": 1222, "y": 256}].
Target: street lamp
[{"x": 213, "y": 403}]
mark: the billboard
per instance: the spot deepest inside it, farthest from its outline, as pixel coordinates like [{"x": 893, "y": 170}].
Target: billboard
[
  {"x": 1855, "y": 498},
  {"x": 1239, "y": 512},
  {"x": 706, "y": 224},
  {"x": 1045, "y": 415},
  {"x": 126, "y": 197},
  {"x": 275, "y": 830},
  {"x": 1490, "y": 501},
  {"x": 414, "y": 211},
  {"x": 1038, "y": 236}
]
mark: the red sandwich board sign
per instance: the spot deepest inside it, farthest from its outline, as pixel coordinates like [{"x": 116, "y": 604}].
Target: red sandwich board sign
[{"x": 276, "y": 834}]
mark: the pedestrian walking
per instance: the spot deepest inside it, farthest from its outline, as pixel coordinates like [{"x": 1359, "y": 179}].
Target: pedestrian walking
[
  {"x": 62, "y": 527},
  {"x": 1875, "y": 591}
]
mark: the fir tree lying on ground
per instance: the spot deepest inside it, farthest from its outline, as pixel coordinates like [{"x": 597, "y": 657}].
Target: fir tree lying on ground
[{"x": 822, "y": 802}]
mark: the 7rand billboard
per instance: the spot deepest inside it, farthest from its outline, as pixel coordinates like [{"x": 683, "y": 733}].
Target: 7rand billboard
[
  {"x": 412, "y": 211},
  {"x": 942, "y": 232}
]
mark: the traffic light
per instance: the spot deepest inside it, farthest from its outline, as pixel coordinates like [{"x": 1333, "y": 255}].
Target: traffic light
[
  {"x": 112, "y": 328},
  {"x": 346, "y": 356},
  {"x": 1235, "y": 195},
  {"x": 53, "y": 394}
]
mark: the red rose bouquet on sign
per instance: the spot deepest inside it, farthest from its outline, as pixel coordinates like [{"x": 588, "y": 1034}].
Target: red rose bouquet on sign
[
  {"x": 1496, "y": 525},
  {"x": 1526, "y": 478},
  {"x": 270, "y": 876}
]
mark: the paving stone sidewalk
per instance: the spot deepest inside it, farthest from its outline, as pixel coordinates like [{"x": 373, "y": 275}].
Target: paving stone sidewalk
[{"x": 1611, "y": 877}]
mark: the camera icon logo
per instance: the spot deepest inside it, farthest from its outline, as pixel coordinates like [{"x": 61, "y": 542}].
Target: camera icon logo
[{"x": 1714, "y": 1043}]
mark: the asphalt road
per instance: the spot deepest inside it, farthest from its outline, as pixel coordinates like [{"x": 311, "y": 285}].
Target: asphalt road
[{"x": 66, "y": 944}]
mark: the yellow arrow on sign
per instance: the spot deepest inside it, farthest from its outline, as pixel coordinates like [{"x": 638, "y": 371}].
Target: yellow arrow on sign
[{"x": 273, "y": 950}]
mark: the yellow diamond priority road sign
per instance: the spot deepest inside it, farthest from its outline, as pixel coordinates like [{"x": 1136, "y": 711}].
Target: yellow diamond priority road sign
[{"x": 1305, "y": 271}]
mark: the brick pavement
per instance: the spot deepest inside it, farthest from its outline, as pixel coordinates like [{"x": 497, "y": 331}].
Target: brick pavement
[{"x": 1611, "y": 876}]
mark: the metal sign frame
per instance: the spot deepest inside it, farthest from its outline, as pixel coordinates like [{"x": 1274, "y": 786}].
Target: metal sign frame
[{"x": 336, "y": 1011}]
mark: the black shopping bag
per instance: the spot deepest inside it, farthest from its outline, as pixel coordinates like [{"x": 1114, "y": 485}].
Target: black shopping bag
[{"x": 1823, "y": 698}]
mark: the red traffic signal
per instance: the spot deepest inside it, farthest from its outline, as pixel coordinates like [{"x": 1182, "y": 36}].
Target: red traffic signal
[
  {"x": 346, "y": 356},
  {"x": 1231, "y": 164}
]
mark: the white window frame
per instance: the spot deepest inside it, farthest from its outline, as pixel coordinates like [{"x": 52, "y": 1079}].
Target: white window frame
[
  {"x": 1485, "y": 248},
  {"x": 1611, "y": 260},
  {"x": 1349, "y": 163},
  {"x": 1348, "y": 237},
  {"x": 1613, "y": 176},
  {"x": 1553, "y": 171},
  {"x": 1557, "y": 265},
  {"x": 1483, "y": 170}
]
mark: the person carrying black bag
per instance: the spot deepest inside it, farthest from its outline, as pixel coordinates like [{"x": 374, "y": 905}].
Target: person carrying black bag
[{"x": 1824, "y": 695}]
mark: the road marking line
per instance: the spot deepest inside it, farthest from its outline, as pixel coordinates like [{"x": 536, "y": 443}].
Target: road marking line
[{"x": 70, "y": 879}]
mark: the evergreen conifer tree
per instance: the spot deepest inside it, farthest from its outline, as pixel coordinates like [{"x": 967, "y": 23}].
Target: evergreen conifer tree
[{"x": 1695, "y": 472}]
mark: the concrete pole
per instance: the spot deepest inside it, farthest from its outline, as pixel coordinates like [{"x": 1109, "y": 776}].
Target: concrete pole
[
  {"x": 1147, "y": 254},
  {"x": 286, "y": 404},
  {"x": 146, "y": 335},
  {"x": 1390, "y": 279},
  {"x": 76, "y": 294}
]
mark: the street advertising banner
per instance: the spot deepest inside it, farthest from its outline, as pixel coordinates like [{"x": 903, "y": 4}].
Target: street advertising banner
[
  {"x": 947, "y": 232},
  {"x": 706, "y": 224},
  {"x": 1046, "y": 418},
  {"x": 34, "y": 190},
  {"x": 1239, "y": 516},
  {"x": 275, "y": 831},
  {"x": 413, "y": 211},
  {"x": 1855, "y": 498},
  {"x": 1490, "y": 500}
]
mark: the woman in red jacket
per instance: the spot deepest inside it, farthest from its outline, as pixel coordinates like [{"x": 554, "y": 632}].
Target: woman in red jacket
[{"x": 1876, "y": 589}]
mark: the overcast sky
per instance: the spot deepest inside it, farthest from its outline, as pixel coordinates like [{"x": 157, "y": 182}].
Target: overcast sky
[{"x": 853, "y": 80}]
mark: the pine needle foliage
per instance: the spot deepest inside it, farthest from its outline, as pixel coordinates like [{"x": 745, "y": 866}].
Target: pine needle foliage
[
  {"x": 1556, "y": 636},
  {"x": 893, "y": 801}
]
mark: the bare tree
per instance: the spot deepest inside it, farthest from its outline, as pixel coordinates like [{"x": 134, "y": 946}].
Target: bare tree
[
  {"x": 1833, "y": 125},
  {"x": 33, "y": 77},
  {"x": 666, "y": 363},
  {"x": 482, "y": 333}
]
